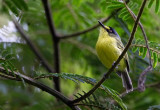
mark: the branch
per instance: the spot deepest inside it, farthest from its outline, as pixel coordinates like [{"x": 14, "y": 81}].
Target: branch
[
  {"x": 152, "y": 49},
  {"x": 37, "y": 84},
  {"x": 49, "y": 18},
  {"x": 135, "y": 89},
  {"x": 32, "y": 46},
  {"x": 142, "y": 77},
  {"x": 143, "y": 31},
  {"x": 87, "y": 30},
  {"x": 9, "y": 77},
  {"x": 55, "y": 41},
  {"x": 118, "y": 60}
]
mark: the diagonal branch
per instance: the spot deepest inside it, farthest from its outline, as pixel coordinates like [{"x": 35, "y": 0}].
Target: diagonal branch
[
  {"x": 143, "y": 31},
  {"x": 142, "y": 77},
  {"x": 32, "y": 46},
  {"x": 17, "y": 76},
  {"x": 118, "y": 60},
  {"x": 55, "y": 41},
  {"x": 35, "y": 83},
  {"x": 9, "y": 77}
]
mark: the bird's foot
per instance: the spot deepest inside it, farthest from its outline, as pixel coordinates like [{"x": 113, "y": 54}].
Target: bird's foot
[
  {"x": 113, "y": 63},
  {"x": 116, "y": 66}
]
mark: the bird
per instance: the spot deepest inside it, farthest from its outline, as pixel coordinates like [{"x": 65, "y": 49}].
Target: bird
[{"x": 109, "y": 47}]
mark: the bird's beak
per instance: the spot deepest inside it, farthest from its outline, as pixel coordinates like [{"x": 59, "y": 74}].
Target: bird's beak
[{"x": 103, "y": 26}]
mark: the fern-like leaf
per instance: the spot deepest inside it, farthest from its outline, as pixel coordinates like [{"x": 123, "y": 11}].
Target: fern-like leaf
[
  {"x": 157, "y": 6},
  {"x": 154, "y": 50},
  {"x": 88, "y": 80}
]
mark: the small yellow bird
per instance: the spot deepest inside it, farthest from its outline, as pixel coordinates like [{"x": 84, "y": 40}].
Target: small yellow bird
[{"x": 109, "y": 47}]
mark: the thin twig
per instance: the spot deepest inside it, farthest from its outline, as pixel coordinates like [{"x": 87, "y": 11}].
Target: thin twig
[
  {"x": 55, "y": 39},
  {"x": 142, "y": 77},
  {"x": 9, "y": 77},
  {"x": 32, "y": 46},
  {"x": 86, "y": 30},
  {"x": 135, "y": 89},
  {"x": 152, "y": 49},
  {"x": 143, "y": 31},
  {"x": 118, "y": 60}
]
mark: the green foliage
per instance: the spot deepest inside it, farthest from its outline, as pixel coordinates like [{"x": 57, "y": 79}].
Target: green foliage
[
  {"x": 16, "y": 6},
  {"x": 115, "y": 5},
  {"x": 154, "y": 49},
  {"x": 124, "y": 14},
  {"x": 157, "y": 6},
  {"x": 72, "y": 16},
  {"x": 93, "y": 102},
  {"x": 84, "y": 79},
  {"x": 5, "y": 60}
]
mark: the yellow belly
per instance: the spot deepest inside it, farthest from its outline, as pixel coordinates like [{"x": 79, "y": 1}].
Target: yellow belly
[{"x": 108, "y": 52}]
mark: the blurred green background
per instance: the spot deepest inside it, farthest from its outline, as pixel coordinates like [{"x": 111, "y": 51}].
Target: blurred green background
[{"x": 77, "y": 54}]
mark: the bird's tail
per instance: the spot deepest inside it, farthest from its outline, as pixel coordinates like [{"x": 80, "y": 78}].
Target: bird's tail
[{"x": 126, "y": 80}]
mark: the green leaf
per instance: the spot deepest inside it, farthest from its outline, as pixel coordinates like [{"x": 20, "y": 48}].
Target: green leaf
[
  {"x": 151, "y": 54},
  {"x": 21, "y": 4},
  {"x": 5, "y": 67},
  {"x": 150, "y": 3},
  {"x": 123, "y": 12},
  {"x": 12, "y": 7},
  {"x": 141, "y": 49},
  {"x": 77, "y": 2},
  {"x": 2, "y": 61},
  {"x": 127, "y": 16},
  {"x": 155, "y": 59},
  {"x": 115, "y": 96},
  {"x": 88, "y": 80},
  {"x": 157, "y": 6},
  {"x": 134, "y": 49},
  {"x": 158, "y": 58},
  {"x": 115, "y": 6},
  {"x": 144, "y": 53},
  {"x": 116, "y": 2},
  {"x": 139, "y": 41},
  {"x": 9, "y": 57},
  {"x": 4, "y": 53}
]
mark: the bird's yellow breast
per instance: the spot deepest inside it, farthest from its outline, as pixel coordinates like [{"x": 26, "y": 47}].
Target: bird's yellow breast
[{"x": 108, "y": 52}]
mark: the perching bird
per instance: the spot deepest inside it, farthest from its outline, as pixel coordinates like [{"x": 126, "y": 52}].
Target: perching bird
[{"x": 109, "y": 47}]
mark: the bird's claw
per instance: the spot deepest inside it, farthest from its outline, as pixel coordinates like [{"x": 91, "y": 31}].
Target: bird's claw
[
  {"x": 116, "y": 66},
  {"x": 113, "y": 63}
]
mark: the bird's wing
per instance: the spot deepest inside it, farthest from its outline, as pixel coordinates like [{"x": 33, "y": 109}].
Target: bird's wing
[{"x": 121, "y": 47}]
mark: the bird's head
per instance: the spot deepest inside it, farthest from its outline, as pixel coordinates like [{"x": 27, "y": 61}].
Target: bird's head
[{"x": 108, "y": 31}]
